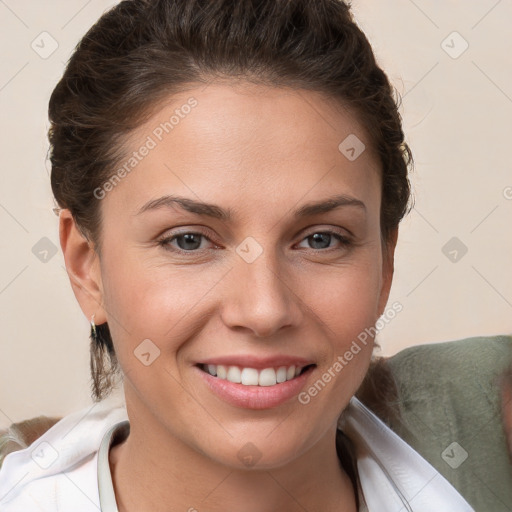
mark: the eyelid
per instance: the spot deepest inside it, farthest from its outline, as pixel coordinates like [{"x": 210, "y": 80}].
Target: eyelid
[
  {"x": 344, "y": 239},
  {"x": 199, "y": 230},
  {"x": 208, "y": 233},
  {"x": 327, "y": 228}
]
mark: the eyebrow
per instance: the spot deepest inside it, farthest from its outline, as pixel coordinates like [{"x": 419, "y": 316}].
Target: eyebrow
[{"x": 216, "y": 212}]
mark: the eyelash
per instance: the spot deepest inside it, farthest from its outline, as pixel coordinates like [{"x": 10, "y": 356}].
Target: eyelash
[{"x": 165, "y": 242}]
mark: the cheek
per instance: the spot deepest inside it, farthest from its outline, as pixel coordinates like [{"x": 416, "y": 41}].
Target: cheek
[
  {"x": 347, "y": 309},
  {"x": 164, "y": 304},
  {"x": 347, "y": 299},
  {"x": 348, "y": 306}
]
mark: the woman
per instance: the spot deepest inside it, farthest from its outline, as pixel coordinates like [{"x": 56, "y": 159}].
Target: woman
[{"x": 230, "y": 178}]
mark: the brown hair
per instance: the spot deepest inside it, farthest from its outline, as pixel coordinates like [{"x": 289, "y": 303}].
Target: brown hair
[{"x": 142, "y": 51}]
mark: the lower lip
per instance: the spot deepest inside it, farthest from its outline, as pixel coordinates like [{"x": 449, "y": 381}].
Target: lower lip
[{"x": 255, "y": 397}]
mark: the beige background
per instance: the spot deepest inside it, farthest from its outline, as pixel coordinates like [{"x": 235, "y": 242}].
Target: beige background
[{"x": 457, "y": 112}]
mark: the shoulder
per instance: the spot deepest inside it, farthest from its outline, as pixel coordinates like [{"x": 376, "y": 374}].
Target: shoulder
[
  {"x": 392, "y": 475},
  {"x": 454, "y": 386},
  {"x": 487, "y": 354},
  {"x": 450, "y": 404},
  {"x": 22, "y": 434},
  {"x": 58, "y": 469}
]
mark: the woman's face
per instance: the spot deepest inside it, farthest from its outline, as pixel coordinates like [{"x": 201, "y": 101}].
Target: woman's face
[{"x": 244, "y": 271}]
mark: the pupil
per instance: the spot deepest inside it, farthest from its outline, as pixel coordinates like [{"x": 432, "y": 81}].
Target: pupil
[
  {"x": 319, "y": 237},
  {"x": 188, "y": 238}
]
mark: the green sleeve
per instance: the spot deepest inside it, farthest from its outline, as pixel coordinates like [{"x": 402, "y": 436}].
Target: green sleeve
[{"x": 450, "y": 403}]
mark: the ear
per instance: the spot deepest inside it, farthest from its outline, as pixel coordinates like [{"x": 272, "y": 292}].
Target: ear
[
  {"x": 82, "y": 266},
  {"x": 388, "y": 268}
]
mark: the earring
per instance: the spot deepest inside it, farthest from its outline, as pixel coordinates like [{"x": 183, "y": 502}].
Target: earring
[{"x": 93, "y": 328}]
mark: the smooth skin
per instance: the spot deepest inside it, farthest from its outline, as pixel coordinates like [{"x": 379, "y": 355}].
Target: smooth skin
[{"x": 262, "y": 153}]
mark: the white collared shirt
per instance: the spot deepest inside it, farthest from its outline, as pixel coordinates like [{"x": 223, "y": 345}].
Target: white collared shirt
[{"x": 67, "y": 468}]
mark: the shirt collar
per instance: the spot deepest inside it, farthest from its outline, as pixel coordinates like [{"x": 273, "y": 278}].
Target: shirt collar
[{"x": 392, "y": 475}]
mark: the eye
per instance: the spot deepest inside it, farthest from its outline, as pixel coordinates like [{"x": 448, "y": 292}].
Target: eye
[
  {"x": 189, "y": 241},
  {"x": 186, "y": 242},
  {"x": 320, "y": 240}
]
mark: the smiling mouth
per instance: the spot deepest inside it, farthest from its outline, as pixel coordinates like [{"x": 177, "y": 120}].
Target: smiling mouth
[{"x": 253, "y": 377}]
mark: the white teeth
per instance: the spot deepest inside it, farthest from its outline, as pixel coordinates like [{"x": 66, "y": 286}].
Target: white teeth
[
  {"x": 221, "y": 371},
  {"x": 250, "y": 377},
  {"x": 267, "y": 377},
  {"x": 234, "y": 374},
  {"x": 281, "y": 374},
  {"x": 253, "y": 377}
]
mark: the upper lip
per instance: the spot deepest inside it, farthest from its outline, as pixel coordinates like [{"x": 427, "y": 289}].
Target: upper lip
[{"x": 259, "y": 363}]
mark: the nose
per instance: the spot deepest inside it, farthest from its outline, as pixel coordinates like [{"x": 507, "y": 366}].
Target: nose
[{"x": 261, "y": 297}]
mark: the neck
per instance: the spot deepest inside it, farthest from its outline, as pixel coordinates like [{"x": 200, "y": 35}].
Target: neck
[{"x": 155, "y": 471}]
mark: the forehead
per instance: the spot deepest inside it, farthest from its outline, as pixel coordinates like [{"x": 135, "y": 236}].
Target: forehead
[
  {"x": 224, "y": 109},
  {"x": 247, "y": 138}
]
